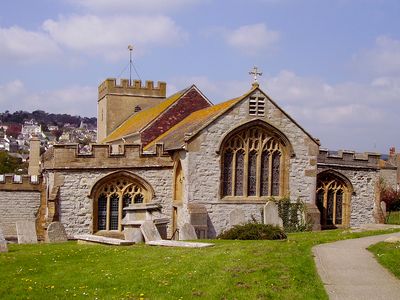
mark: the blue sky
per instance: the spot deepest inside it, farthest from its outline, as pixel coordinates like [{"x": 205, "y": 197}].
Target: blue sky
[{"x": 333, "y": 65}]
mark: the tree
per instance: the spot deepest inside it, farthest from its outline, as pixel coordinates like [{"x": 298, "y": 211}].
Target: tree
[{"x": 10, "y": 164}]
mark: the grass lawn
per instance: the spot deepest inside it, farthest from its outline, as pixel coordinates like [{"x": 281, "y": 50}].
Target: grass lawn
[
  {"x": 394, "y": 218},
  {"x": 229, "y": 270},
  {"x": 388, "y": 255}
]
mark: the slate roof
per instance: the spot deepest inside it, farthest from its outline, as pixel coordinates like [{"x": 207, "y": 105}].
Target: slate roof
[
  {"x": 174, "y": 138},
  {"x": 139, "y": 120}
]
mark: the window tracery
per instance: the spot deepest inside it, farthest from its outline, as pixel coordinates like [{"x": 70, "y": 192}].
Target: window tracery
[
  {"x": 257, "y": 157},
  {"x": 112, "y": 197},
  {"x": 332, "y": 199}
]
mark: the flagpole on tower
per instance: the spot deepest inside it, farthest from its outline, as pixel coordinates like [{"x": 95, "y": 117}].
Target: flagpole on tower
[{"x": 130, "y": 48}]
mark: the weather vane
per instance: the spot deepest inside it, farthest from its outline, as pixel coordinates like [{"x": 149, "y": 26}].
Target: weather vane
[{"x": 255, "y": 73}]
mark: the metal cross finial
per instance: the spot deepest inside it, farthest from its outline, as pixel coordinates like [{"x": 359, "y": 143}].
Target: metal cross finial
[{"x": 255, "y": 73}]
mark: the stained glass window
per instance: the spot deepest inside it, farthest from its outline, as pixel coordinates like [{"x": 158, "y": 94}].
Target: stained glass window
[
  {"x": 126, "y": 201},
  {"x": 114, "y": 203},
  {"x": 239, "y": 173},
  {"x": 112, "y": 196},
  {"x": 320, "y": 202},
  {"x": 102, "y": 212},
  {"x": 330, "y": 207},
  {"x": 252, "y": 173},
  {"x": 252, "y": 152},
  {"x": 227, "y": 174},
  {"x": 275, "y": 173},
  {"x": 335, "y": 192},
  {"x": 339, "y": 205},
  {"x": 265, "y": 173},
  {"x": 138, "y": 198}
]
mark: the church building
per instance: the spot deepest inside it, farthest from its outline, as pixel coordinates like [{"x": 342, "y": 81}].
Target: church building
[{"x": 181, "y": 159}]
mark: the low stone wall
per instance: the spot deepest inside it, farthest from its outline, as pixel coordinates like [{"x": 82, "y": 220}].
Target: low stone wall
[{"x": 17, "y": 206}]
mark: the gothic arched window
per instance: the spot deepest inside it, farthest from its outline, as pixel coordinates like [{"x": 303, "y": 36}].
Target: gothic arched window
[
  {"x": 333, "y": 200},
  {"x": 252, "y": 164},
  {"x": 112, "y": 197}
]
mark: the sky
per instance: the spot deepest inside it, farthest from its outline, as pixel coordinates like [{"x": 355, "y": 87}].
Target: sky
[{"x": 333, "y": 65}]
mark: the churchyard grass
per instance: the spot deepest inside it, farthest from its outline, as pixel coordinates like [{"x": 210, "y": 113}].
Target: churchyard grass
[
  {"x": 388, "y": 255},
  {"x": 229, "y": 270}
]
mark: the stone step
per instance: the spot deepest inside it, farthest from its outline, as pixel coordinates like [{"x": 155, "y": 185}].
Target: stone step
[{"x": 102, "y": 240}]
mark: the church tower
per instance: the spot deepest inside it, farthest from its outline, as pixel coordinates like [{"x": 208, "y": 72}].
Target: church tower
[{"x": 117, "y": 102}]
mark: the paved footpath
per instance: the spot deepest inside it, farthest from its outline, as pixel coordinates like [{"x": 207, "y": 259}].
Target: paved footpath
[{"x": 349, "y": 271}]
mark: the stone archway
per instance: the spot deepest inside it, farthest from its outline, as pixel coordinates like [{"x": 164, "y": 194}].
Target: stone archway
[{"x": 333, "y": 198}]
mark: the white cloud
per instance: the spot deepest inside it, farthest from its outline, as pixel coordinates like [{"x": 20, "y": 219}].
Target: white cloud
[
  {"x": 382, "y": 59},
  {"x": 23, "y": 46},
  {"x": 109, "y": 36},
  {"x": 136, "y": 6},
  {"x": 76, "y": 100},
  {"x": 252, "y": 39}
]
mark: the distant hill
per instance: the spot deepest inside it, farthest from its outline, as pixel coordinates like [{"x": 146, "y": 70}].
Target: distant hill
[{"x": 45, "y": 119}]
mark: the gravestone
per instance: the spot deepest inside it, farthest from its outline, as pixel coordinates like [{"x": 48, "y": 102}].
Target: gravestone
[
  {"x": 56, "y": 233},
  {"x": 26, "y": 232},
  {"x": 271, "y": 214},
  {"x": 149, "y": 231},
  {"x": 237, "y": 217},
  {"x": 3, "y": 243},
  {"x": 187, "y": 232},
  {"x": 198, "y": 217},
  {"x": 383, "y": 207},
  {"x": 133, "y": 234}
]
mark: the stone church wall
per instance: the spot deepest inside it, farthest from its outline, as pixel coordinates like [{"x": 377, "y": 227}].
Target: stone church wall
[
  {"x": 20, "y": 197},
  {"x": 76, "y": 208},
  {"x": 362, "y": 170},
  {"x": 17, "y": 206},
  {"x": 204, "y": 164}
]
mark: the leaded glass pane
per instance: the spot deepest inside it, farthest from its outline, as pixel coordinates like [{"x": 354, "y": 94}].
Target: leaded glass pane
[
  {"x": 252, "y": 180},
  {"x": 276, "y": 161},
  {"x": 126, "y": 201},
  {"x": 101, "y": 212},
  {"x": 329, "y": 215},
  {"x": 138, "y": 198},
  {"x": 320, "y": 203},
  {"x": 339, "y": 205},
  {"x": 227, "y": 174},
  {"x": 114, "y": 203},
  {"x": 264, "y": 173},
  {"x": 239, "y": 173}
]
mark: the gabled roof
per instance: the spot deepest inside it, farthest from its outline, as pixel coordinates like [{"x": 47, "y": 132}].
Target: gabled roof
[
  {"x": 189, "y": 127},
  {"x": 174, "y": 138},
  {"x": 139, "y": 120}
]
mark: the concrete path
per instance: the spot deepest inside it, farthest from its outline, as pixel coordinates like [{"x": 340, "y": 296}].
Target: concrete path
[{"x": 349, "y": 271}]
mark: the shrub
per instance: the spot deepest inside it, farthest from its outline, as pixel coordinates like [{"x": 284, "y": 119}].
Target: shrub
[{"x": 253, "y": 231}]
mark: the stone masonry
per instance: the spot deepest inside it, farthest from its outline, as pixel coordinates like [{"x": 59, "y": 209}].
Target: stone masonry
[
  {"x": 17, "y": 206},
  {"x": 203, "y": 165}
]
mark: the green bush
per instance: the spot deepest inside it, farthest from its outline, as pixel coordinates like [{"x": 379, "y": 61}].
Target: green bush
[{"x": 253, "y": 231}]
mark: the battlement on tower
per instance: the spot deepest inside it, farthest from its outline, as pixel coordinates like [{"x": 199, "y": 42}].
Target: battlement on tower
[
  {"x": 104, "y": 156},
  {"x": 346, "y": 158},
  {"x": 133, "y": 88}
]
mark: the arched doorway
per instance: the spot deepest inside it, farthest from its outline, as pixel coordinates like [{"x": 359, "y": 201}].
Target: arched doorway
[
  {"x": 114, "y": 192},
  {"x": 333, "y": 199}
]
